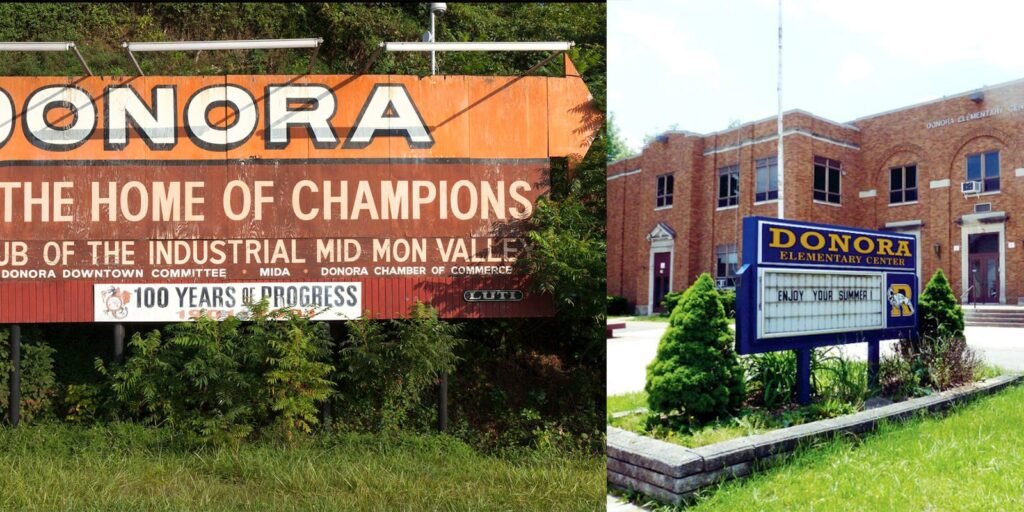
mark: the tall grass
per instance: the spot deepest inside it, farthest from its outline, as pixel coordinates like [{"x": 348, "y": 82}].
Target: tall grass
[{"x": 128, "y": 467}]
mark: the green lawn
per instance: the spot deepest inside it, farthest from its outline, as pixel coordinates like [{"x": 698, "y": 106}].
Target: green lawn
[
  {"x": 972, "y": 459},
  {"x": 126, "y": 467}
]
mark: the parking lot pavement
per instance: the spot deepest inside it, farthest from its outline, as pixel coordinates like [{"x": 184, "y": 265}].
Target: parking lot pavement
[
  {"x": 629, "y": 353},
  {"x": 634, "y": 347}
]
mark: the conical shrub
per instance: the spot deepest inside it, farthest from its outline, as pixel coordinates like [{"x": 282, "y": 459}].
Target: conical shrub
[
  {"x": 938, "y": 313},
  {"x": 696, "y": 375}
]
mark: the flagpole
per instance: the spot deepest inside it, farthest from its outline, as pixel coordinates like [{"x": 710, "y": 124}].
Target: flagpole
[{"x": 780, "y": 159}]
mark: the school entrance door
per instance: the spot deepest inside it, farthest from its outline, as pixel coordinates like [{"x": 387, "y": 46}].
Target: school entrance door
[
  {"x": 983, "y": 268},
  {"x": 662, "y": 278}
]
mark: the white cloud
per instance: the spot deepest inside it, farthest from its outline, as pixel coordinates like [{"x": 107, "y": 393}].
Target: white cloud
[
  {"x": 853, "y": 68},
  {"x": 636, "y": 31},
  {"x": 933, "y": 32}
]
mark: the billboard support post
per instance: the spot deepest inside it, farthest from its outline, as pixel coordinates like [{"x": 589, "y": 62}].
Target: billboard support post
[
  {"x": 442, "y": 403},
  {"x": 803, "y": 376},
  {"x": 14, "y": 412},
  {"x": 119, "y": 343}
]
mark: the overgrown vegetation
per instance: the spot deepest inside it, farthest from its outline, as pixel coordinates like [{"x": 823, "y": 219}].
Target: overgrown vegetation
[
  {"x": 38, "y": 385},
  {"x": 229, "y": 380},
  {"x": 695, "y": 376},
  {"x": 385, "y": 368}
]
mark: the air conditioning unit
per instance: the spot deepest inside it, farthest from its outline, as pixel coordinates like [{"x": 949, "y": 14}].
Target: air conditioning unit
[
  {"x": 971, "y": 187},
  {"x": 982, "y": 207}
]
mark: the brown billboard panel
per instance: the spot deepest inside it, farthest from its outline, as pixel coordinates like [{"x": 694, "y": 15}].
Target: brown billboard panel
[{"x": 164, "y": 198}]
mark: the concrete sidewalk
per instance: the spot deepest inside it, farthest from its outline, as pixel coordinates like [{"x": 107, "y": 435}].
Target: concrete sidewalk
[{"x": 614, "y": 505}]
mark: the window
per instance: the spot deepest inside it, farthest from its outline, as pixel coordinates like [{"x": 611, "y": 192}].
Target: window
[
  {"x": 984, "y": 168},
  {"x": 903, "y": 184},
  {"x": 727, "y": 262},
  {"x": 767, "y": 179},
  {"x": 728, "y": 186},
  {"x": 665, "y": 185},
  {"x": 826, "y": 180}
]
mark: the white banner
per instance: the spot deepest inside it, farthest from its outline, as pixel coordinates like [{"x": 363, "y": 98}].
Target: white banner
[
  {"x": 179, "y": 302},
  {"x": 806, "y": 302}
]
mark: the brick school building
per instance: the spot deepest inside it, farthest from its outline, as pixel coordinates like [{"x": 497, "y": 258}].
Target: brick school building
[{"x": 948, "y": 171}]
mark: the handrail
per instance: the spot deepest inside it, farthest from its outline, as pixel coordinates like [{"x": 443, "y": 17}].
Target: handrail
[{"x": 967, "y": 293}]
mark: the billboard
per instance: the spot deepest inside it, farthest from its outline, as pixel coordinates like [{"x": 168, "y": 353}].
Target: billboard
[
  {"x": 804, "y": 285},
  {"x": 387, "y": 188}
]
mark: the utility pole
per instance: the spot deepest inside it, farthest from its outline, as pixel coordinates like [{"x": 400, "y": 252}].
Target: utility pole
[{"x": 780, "y": 158}]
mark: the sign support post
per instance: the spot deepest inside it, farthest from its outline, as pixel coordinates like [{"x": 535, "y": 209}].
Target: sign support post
[
  {"x": 14, "y": 412},
  {"x": 873, "y": 364},
  {"x": 803, "y": 376}
]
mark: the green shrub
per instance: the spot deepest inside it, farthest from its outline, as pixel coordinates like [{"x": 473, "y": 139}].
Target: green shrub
[
  {"x": 617, "y": 306},
  {"x": 898, "y": 379},
  {"x": 949, "y": 362},
  {"x": 938, "y": 358},
  {"x": 728, "y": 298},
  {"x": 670, "y": 301},
  {"x": 386, "y": 368},
  {"x": 771, "y": 378},
  {"x": 938, "y": 313},
  {"x": 840, "y": 381},
  {"x": 225, "y": 381},
  {"x": 696, "y": 375},
  {"x": 83, "y": 403},
  {"x": 38, "y": 384}
]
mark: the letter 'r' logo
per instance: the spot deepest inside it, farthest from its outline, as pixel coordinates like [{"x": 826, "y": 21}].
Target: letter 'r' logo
[{"x": 899, "y": 299}]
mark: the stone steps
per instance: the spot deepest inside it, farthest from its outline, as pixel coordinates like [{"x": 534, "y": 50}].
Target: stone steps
[{"x": 994, "y": 316}]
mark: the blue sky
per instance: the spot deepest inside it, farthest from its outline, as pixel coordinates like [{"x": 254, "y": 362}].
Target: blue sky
[{"x": 701, "y": 64}]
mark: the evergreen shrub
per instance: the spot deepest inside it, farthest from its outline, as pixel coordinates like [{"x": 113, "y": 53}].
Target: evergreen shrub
[{"x": 696, "y": 375}]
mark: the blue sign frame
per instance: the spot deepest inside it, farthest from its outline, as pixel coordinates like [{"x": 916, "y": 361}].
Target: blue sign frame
[{"x": 804, "y": 247}]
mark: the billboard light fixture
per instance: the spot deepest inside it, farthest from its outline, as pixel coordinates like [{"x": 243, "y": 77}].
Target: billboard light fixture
[
  {"x": 252, "y": 44},
  {"x": 527, "y": 46},
  {"x": 45, "y": 47}
]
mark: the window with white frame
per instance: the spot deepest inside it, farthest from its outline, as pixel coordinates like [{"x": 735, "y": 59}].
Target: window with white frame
[
  {"x": 727, "y": 262},
  {"x": 728, "y": 186},
  {"x": 827, "y": 173},
  {"x": 664, "y": 196},
  {"x": 903, "y": 184},
  {"x": 984, "y": 168},
  {"x": 767, "y": 188}
]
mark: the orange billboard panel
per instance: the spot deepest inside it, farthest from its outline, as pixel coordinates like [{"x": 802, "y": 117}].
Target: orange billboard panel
[{"x": 164, "y": 198}]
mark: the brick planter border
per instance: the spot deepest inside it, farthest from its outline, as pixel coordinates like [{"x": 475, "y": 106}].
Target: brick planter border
[{"x": 671, "y": 473}]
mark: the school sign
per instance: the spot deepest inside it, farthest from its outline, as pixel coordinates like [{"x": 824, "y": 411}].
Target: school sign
[
  {"x": 805, "y": 285},
  {"x": 163, "y": 198}
]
